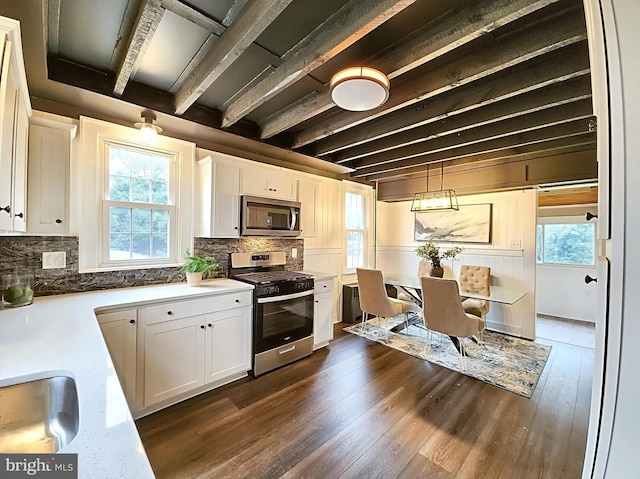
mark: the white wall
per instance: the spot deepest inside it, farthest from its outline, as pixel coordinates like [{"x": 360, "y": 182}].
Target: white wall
[
  {"x": 561, "y": 291},
  {"x": 514, "y": 220}
]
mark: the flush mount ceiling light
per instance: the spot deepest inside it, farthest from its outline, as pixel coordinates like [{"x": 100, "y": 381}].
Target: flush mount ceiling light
[
  {"x": 435, "y": 200},
  {"x": 147, "y": 129},
  {"x": 359, "y": 88}
]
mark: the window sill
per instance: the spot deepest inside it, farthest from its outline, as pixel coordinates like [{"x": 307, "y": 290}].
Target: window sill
[{"x": 106, "y": 269}]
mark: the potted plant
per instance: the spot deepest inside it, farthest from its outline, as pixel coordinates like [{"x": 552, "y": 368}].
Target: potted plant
[
  {"x": 431, "y": 252},
  {"x": 198, "y": 266}
]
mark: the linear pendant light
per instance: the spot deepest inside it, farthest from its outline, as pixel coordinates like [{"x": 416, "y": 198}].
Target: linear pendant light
[
  {"x": 359, "y": 88},
  {"x": 435, "y": 200}
]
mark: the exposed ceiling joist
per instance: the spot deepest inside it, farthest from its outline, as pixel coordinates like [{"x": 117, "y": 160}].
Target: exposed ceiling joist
[
  {"x": 442, "y": 37},
  {"x": 248, "y": 25},
  {"x": 451, "y": 152},
  {"x": 348, "y": 25},
  {"x": 556, "y": 67},
  {"x": 572, "y": 91},
  {"x": 149, "y": 16},
  {"x": 558, "y": 33}
]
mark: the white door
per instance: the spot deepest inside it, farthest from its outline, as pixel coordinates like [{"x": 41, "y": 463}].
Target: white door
[
  {"x": 228, "y": 348},
  {"x": 173, "y": 358}
]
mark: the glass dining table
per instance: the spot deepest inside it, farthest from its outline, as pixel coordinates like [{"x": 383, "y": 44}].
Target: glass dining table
[{"x": 410, "y": 284}]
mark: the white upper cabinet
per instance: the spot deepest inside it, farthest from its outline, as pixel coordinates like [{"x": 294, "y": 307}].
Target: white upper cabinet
[
  {"x": 308, "y": 197},
  {"x": 219, "y": 202},
  {"x": 268, "y": 183},
  {"x": 49, "y": 158},
  {"x": 15, "y": 110}
]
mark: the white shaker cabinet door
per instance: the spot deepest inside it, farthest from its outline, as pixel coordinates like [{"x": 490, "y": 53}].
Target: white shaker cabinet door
[{"x": 228, "y": 349}]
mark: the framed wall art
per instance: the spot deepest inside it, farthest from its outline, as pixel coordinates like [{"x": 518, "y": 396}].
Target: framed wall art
[{"x": 470, "y": 224}]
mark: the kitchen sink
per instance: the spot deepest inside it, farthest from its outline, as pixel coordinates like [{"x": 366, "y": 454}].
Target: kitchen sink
[{"x": 39, "y": 416}]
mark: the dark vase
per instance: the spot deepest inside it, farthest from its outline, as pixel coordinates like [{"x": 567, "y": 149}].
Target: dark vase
[{"x": 436, "y": 270}]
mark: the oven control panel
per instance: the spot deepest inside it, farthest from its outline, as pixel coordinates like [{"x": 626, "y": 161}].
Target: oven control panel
[{"x": 283, "y": 287}]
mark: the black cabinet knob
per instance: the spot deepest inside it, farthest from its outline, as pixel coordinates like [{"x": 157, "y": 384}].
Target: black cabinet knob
[
  {"x": 202, "y": 326},
  {"x": 588, "y": 279},
  {"x": 237, "y": 300},
  {"x": 7, "y": 209},
  {"x": 132, "y": 321},
  {"x": 20, "y": 215},
  {"x": 58, "y": 221},
  {"x": 210, "y": 325},
  {"x": 169, "y": 313}
]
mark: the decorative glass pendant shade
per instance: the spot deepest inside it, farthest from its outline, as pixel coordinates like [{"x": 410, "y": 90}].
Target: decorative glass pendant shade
[
  {"x": 435, "y": 201},
  {"x": 359, "y": 88}
]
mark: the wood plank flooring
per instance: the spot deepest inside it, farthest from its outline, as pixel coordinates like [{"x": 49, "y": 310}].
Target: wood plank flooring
[{"x": 358, "y": 409}]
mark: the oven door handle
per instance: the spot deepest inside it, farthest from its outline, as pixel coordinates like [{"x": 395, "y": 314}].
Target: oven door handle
[{"x": 285, "y": 297}]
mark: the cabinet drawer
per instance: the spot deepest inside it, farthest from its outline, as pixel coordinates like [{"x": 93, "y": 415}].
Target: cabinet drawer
[
  {"x": 323, "y": 286},
  {"x": 184, "y": 309}
]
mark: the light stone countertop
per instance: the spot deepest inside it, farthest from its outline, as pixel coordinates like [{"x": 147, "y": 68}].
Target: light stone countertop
[
  {"x": 59, "y": 335},
  {"x": 317, "y": 276}
]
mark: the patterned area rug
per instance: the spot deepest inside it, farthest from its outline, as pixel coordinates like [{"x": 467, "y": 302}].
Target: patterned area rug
[{"x": 504, "y": 361}]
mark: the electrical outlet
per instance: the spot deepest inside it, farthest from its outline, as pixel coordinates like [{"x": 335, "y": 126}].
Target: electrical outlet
[
  {"x": 52, "y": 260},
  {"x": 294, "y": 252},
  {"x": 516, "y": 244}
]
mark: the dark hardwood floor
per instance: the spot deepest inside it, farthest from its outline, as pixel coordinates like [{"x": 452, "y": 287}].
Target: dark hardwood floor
[{"x": 358, "y": 409}]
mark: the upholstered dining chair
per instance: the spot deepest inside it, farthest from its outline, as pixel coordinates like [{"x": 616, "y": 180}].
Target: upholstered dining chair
[
  {"x": 444, "y": 314},
  {"x": 475, "y": 279},
  {"x": 374, "y": 300}
]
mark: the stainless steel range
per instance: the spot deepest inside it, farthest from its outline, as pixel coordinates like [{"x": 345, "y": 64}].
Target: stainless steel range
[{"x": 282, "y": 308}]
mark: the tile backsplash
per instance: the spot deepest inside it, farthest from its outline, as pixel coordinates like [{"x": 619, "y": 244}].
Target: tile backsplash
[{"x": 23, "y": 254}]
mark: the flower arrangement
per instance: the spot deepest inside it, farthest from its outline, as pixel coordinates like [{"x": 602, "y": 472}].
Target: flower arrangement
[{"x": 431, "y": 252}]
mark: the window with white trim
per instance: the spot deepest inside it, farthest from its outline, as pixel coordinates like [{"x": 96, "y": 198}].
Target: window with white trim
[
  {"x": 139, "y": 207},
  {"x": 565, "y": 242},
  {"x": 355, "y": 227}
]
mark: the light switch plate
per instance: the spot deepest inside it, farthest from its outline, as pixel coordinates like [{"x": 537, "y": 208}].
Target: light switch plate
[
  {"x": 53, "y": 260},
  {"x": 516, "y": 244}
]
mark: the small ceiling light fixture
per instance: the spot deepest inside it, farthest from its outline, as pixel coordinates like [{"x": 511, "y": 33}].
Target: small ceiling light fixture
[
  {"x": 359, "y": 88},
  {"x": 147, "y": 129},
  {"x": 435, "y": 200}
]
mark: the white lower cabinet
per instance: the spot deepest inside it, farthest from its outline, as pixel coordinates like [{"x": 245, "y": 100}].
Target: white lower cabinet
[
  {"x": 323, "y": 313},
  {"x": 119, "y": 329},
  {"x": 188, "y": 345}
]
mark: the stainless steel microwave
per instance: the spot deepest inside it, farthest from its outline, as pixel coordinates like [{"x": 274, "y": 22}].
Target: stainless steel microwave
[{"x": 269, "y": 217}]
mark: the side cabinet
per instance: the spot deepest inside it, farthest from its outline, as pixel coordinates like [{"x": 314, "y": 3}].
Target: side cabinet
[
  {"x": 119, "y": 329},
  {"x": 219, "y": 198},
  {"x": 49, "y": 158},
  {"x": 228, "y": 343},
  {"x": 323, "y": 313}
]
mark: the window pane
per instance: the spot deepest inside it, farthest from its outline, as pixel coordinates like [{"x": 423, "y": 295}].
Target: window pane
[
  {"x": 140, "y": 246},
  {"x": 140, "y": 220},
  {"x": 569, "y": 243},
  {"x": 119, "y": 163},
  {"x": 160, "y": 221},
  {"x": 354, "y": 211},
  {"x": 539, "y": 244},
  {"x": 160, "y": 192},
  {"x": 160, "y": 168},
  {"x": 119, "y": 247},
  {"x": 141, "y": 166},
  {"x": 119, "y": 220},
  {"x": 355, "y": 249},
  {"x": 159, "y": 246},
  {"x": 119, "y": 189},
  {"x": 140, "y": 190}
]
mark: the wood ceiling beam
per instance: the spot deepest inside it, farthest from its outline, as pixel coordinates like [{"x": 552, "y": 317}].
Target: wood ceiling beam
[
  {"x": 249, "y": 24},
  {"x": 53, "y": 26},
  {"x": 149, "y": 16},
  {"x": 564, "y": 65},
  {"x": 444, "y": 36},
  {"x": 540, "y": 135},
  {"x": 546, "y": 98},
  {"x": 194, "y": 16},
  {"x": 564, "y": 113},
  {"x": 349, "y": 24},
  {"x": 556, "y": 34},
  {"x": 570, "y": 144}
]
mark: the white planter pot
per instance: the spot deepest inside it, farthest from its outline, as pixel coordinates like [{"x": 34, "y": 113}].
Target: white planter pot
[{"x": 194, "y": 279}]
